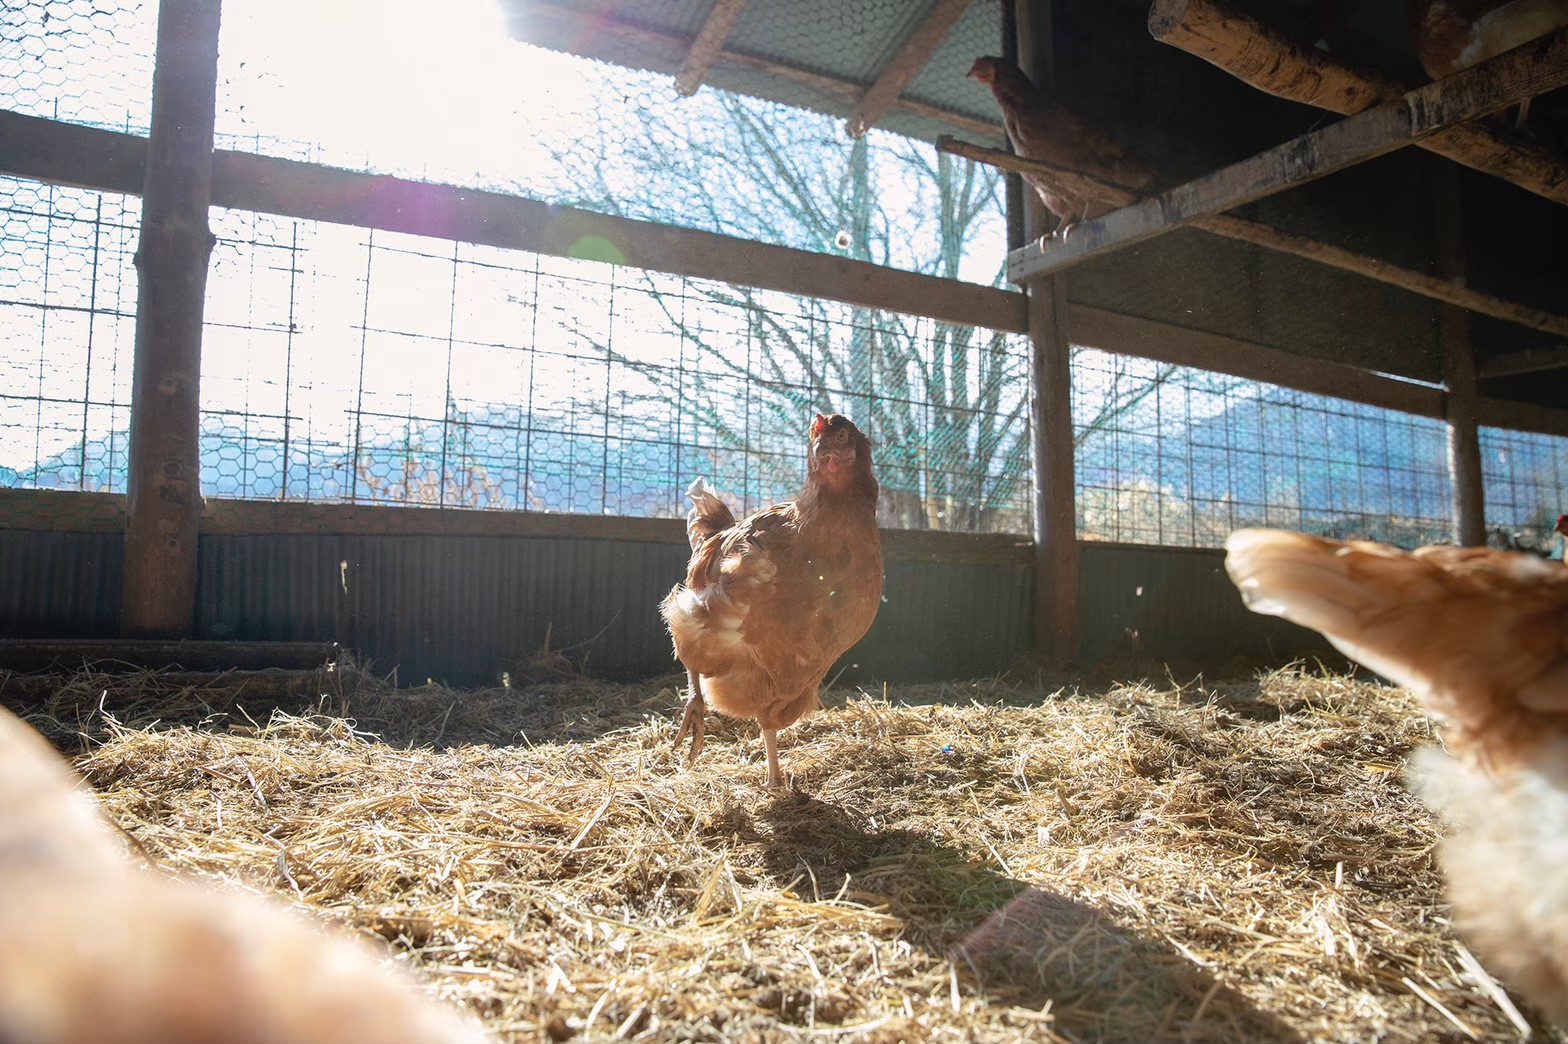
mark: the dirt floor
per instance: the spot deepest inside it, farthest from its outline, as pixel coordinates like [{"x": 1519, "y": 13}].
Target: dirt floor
[{"x": 1161, "y": 859}]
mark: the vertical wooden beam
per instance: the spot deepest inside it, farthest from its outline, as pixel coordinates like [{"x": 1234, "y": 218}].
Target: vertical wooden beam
[
  {"x": 1462, "y": 402},
  {"x": 708, "y": 45},
  {"x": 164, "y": 504},
  {"x": 1050, "y": 399}
]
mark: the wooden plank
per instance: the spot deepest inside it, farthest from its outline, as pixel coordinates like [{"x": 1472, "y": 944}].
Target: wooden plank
[
  {"x": 578, "y": 25},
  {"x": 1449, "y": 291},
  {"x": 49, "y": 510},
  {"x": 317, "y": 193},
  {"x": 30, "y": 654},
  {"x": 42, "y": 150},
  {"x": 1252, "y": 52},
  {"x": 164, "y": 483},
  {"x": 1165, "y": 342},
  {"x": 1481, "y": 89},
  {"x": 910, "y": 58},
  {"x": 1522, "y": 416},
  {"x": 704, "y": 50},
  {"x": 1525, "y": 360}
]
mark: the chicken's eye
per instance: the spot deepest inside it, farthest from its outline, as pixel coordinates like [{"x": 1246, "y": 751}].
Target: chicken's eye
[{"x": 841, "y": 435}]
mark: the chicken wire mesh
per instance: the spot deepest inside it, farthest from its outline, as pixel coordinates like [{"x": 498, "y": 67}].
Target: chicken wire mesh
[
  {"x": 1173, "y": 455},
  {"x": 79, "y": 61},
  {"x": 349, "y": 365}
]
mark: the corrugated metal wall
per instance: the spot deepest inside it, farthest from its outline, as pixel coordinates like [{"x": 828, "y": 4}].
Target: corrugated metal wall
[{"x": 464, "y": 608}]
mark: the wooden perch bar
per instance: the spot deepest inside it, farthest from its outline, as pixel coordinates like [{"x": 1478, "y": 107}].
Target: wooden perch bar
[
  {"x": 1485, "y": 88},
  {"x": 705, "y": 49},
  {"x": 1230, "y": 226},
  {"x": 903, "y": 66},
  {"x": 1258, "y": 56}
]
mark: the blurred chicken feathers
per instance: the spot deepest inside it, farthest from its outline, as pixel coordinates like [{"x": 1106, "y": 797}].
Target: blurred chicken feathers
[{"x": 1482, "y": 635}]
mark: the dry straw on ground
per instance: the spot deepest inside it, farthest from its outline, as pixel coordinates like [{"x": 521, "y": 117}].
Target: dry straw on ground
[{"x": 979, "y": 861}]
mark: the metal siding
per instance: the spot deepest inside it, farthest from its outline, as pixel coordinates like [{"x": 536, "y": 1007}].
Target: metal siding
[
  {"x": 59, "y": 585},
  {"x": 1176, "y": 606},
  {"x": 462, "y": 609}
]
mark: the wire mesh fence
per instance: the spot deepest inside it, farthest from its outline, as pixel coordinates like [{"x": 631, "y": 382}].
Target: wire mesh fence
[
  {"x": 79, "y": 61},
  {"x": 341, "y": 364},
  {"x": 1525, "y": 476},
  {"x": 345, "y": 364},
  {"x": 1173, "y": 455}
]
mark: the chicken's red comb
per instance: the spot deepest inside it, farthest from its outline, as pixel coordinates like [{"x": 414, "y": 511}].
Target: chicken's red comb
[
  {"x": 1562, "y": 524},
  {"x": 818, "y": 424}
]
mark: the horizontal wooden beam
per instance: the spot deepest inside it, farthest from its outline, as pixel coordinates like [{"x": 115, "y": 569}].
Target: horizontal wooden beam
[
  {"x": 1449, "y": 291},
  {"x": 109, "y": 161},
  {"x": 703, "y": 51},
  {"x": 1525, "y": 360},
  {"x": 1523, "y": 416},
  {"x": 580, "y": 24},
  {"x": 1166, "y": 342},
  {"x": 1481, "y": 89},
  {"x": 1262, "y": 58},
  {"x": 48, "y": 151},
  {"x": 75, "y": 512},
  {"x": 902, "y": 67}
]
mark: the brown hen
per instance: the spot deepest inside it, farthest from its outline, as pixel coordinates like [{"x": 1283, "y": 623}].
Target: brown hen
[
  {"x": 1482, "y": 637},
  {"x": 771, "y": 601},
  {"x": 1042, "y": 129},
  {"x": 98, "y": 949}
]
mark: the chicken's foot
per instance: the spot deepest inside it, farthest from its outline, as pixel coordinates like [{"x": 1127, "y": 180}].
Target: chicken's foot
[
  {"x": 770, "y": 740},
  {"x": 692, "y": 720}
]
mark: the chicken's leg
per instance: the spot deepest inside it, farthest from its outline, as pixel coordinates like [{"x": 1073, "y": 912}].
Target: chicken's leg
[
  {"x": 770, "y": 739},
  {"x": 692, "y": 720}
]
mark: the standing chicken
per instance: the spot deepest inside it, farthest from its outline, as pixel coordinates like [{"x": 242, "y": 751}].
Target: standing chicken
[
  {"x": 771, "y": 601},
  {"x": 99, "y": 949},
  {"x": 1041, "y": 129},
  {"x": 1482, "y": 637}
]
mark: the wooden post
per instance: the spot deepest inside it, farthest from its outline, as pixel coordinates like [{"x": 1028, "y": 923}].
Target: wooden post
[
  {"x": 1462, "y": 402},
  {"x": 164, "y": 504},
  {"x": 1050, "y": 401}
]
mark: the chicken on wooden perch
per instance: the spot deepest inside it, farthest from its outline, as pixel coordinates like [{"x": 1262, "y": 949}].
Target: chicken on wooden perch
[
  {"x": 771, "y": 601},
  {"x": 99, "y": 949},
  {"x": 1455, "y": 34},
  {"x": 1042, "y": 129},
  {"x": 1481, "y": 636}
]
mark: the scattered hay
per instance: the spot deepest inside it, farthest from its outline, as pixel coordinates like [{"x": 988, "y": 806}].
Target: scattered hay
[{"x": 986, "y": 861}]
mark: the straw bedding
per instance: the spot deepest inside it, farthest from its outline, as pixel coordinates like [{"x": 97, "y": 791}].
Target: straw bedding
[{"x": 996, "y": 860}]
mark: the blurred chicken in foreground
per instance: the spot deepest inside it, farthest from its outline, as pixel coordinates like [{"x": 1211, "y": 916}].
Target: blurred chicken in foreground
[
  {"x": 1482, "y": 637},
  {"x": 771, "y": 601},
  {"x": 98, "y": 949}
]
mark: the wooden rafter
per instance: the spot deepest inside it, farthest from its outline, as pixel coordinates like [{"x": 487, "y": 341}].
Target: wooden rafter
[
  {"x": 1485, "y": 88},
  {"x": 833, "y": 86},
  {"x": 708, "y": 45},
  {"x": 1262, "y": 58},
  {"x": 1230, "y": 226},
  {"x": 1525, "y": 360},
  {"x": 903, "y": 66}
]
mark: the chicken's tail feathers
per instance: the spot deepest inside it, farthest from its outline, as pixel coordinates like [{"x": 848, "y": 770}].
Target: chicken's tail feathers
[{"x": 708, "y": 515}]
